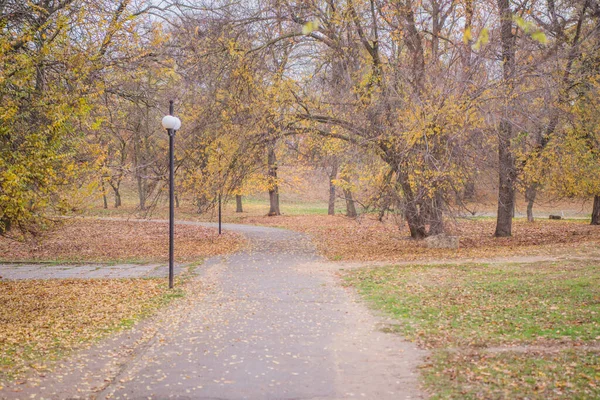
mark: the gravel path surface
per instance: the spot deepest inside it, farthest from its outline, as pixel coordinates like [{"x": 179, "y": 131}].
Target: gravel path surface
[{"x": 269, "y": 322}]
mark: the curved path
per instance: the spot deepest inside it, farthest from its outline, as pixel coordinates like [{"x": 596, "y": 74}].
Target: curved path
[{"x": 269, "y": 322}]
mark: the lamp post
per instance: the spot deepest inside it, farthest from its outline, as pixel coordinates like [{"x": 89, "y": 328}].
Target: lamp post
[
  {"x": 171, "y": 124},
  {"x": 220, "y": 184}
]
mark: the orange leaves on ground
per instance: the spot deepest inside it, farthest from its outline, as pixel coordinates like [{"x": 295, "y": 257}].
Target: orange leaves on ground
[
  {"x": 42, "y": 319},
  {"x": 102, "y": 241},
  {"x": 367, "y": 239}
]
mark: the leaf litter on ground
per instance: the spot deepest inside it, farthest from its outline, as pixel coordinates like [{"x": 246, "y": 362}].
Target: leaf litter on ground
[
  {"x": 91, "y": 240},
  {"x": 42, "y": 320},
  {"x": 367, "y": 239}
]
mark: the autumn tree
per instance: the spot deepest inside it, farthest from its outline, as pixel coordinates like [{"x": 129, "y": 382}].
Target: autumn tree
[
  {"x": 223, "y": 148},
  {"x": 51, "y": 54},
  {"x": 567, "y": 165},
  {"x": 388, "y": 94},
  {"x": 552, "y": 38}
]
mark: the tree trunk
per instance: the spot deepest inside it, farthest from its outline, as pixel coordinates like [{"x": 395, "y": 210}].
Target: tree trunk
[
  {"x": 414, "y": 219},
  {"x": 436, "y": 216},
  {"x": 104, "y": 199},
  {"x": 506, "y": 161},
  {"x": 117, "y": 198},
  {"x": 274, "y": 188},
  {"x": 350, "y": 208},
  {"x": 141, "y": 184},
  {"x": 140, "y": 165},
  {"x": 274, "y": 203},
  {"x": 388, "y": 196},
  {"x": 332, "y": 176},
  {"x": 5, "y": 224},
  {"x": 530, "y": 194},
  {"x": 596, "y": 211},
  {"x": 506, "y": 189},
  {"x": 115, "y": 187},
  {"x": 385, "y": 206},
  {"x": 202, "y": 203},
  {"x": 176, "y": 201},
  {"x": 238, "y": 204}
]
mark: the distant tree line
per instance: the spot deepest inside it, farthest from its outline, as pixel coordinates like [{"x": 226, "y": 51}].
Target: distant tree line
[{"x": 401, "y": 103}]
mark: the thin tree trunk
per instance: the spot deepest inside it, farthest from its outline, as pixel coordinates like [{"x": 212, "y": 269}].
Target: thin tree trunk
[
  {"x": 506, "y": 161},
  {"x": 467, "y": 45},
  {"x": 141, "y": 191},
  {"x": 530, "y": 194},
  {"x": 104, "y": 199},
  {"x": 274, "y": 188},
  {"x": 238, "y": 203},
  {"x": 350, "y": 207},
  {"x": 596, "y": 211},
  {"x": 388, "y": 196},
  {"x": 139, "y": 164},
  {"x": 115, "y": 187},
  {"x": 176, "y": 201},
  {"x": 332, "y": 176},
  {"x": 384, "y": 208},
  {"x": 117, "y": 198}
]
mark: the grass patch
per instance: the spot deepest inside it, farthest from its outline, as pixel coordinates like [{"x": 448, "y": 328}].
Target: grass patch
[
  {"x": 42, "y": 320},
  {"x": 477, "y": 306},
  {"x": 257, "y": 206},
  {"x": 568, "y": 374},
  {"x": 488, "y": 305}
]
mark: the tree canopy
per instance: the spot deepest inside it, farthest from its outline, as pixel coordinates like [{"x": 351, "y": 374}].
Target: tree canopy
[{"x": 402, "y": 102}]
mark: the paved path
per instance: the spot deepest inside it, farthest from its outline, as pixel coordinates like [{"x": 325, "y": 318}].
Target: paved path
[
  {"x": 83, "y": 271},
  {"x": 270, "y": 322}
]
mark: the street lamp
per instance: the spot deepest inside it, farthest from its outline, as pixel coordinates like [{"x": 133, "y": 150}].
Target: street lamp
[
  {"x": 171, "y": 124},
  {"x": 220, "y": 183}
]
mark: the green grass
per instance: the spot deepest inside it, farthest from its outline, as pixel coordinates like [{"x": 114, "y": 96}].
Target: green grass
[
  {"x": 479, "y": 305},
  {"x": 288, "y": 207},
  {"x": 252, "y": 205},
  {"x": 475, "y": 306},
  {"x": 568, "y": 374}
]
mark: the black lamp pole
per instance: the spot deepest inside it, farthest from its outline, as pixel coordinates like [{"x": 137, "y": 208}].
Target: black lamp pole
[
  {"x": 171, "y": 198},
  {"x": 220, "y": 184}
]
